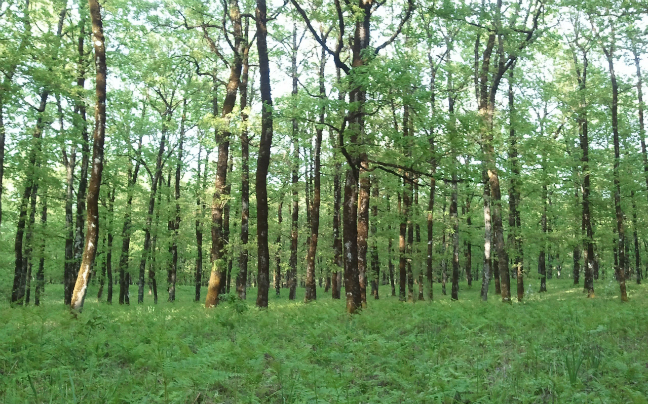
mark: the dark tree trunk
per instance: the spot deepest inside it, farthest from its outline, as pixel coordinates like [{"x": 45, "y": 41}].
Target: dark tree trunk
[
  {"x": 40, "y": 275},
  {"x": 80, "y": 111},
  {"x": 155, "y": 180},
  {"x": 109, "y": 229},
  {"x": 241, "y": 278},
  {"x": 315, "y": 208},
  {"x": 390, "y": 247},
  {"x": 515, "y": 237},
  {"x": 636, "y": 240},
  {"x": 201, "y": 184},
  {"x": 363, "y": 233},
  {"x": 294, "y": 226},
  {"x": 124, "y": 276},
  {"x": 542, "y": 257},
  {"x": 486, "y": 271},
  {"x": 277, "y": 275},
  {"x": 29, "y": 247},
  {"x": 263, "y": 161},
  {"x": 18, "y": 290},
  {"x": 173, "y": 271},
  {"x": 80, "y": 287},
  {"x": 375, "y": 263},
  {"x": 609, "y": 53}
]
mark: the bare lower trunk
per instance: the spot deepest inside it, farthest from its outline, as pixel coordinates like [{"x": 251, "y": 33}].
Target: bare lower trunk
[
  {"x": 241, "y": 278},
  {"x": 486, "y": 271},
  {"x": 40, "y": 275},
  {"x": 375, "y": 263},
  {"x": 265, "y": 144},
  {"x": 90, "y": 249}
]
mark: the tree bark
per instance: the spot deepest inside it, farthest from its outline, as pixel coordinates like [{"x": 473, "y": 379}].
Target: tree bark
[
  {"x": 220, "y": 198},
  {"x": 133, "y": 173},
  {"x": 241, "y": 278},
  {"x": 80, "y": 287},
  {"x": 18, "y": 290},
  {"x": 40, "y": 275},
  {"x": 375, "y": 263},
  {"x": 609, "y": 53},
  {"x": 173, "y": 271},
  {"x": 265, "y": 143},
  {"x": 515, "y": 225},
  {"x": 311, "y": 291}
]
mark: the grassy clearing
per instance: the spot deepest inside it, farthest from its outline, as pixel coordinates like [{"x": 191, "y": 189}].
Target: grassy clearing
[{"x": 556, "y": 347}]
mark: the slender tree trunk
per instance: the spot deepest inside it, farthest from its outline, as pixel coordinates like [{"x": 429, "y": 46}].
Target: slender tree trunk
[
  {"x": 40, "y": 275},
  {"x": 467, "y": 243},
  {"x": 264, "y": 156},
  {"x": 241, "y": 278},
  {"x": 375, "y": 263},
  {"x": 80, "y": 111},
  {"x": 542, "y": 257},
  {"x": 173, "y": 272},
  {"x": 337, "y": 201},
  {"x": 616, "y": 173},
  {"x": 642, "y": 126},
  {"x": 363, "y": 233},
  {"x": 218, "y": 258},
  {"x": 455, "y": 239},
  {"x": 124, "y": 276},
  {"x": 109, "y": 229},
  {"x": 18, "y": 291},
  {"x": 90, "y": 250},
  {"x": 486, "y": 271},
  {"x": 294, "y": 232},
  {"x": 157, "y": 179},
  {"x": 277, "y": 276},
  {"x": 515, "y": 238},
  {"x": 636, "y": 240},
  {"x": 29, "y": 248},
  {"x": 315, "y": 208},
  {"x": 200, "y": 210}
]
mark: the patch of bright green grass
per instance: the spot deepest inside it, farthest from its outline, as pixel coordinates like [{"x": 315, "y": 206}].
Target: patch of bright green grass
[{"x": 557, "y": 347}]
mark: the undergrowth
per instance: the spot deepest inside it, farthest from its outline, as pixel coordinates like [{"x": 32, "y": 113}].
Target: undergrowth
[{"x": 557, "y": 347}]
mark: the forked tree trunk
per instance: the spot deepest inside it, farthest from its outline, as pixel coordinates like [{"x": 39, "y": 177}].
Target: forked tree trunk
[{"x": 90, "y": 249}]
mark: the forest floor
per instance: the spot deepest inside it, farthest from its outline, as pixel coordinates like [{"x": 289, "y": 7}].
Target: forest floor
[{"x": 557, "y": 347}]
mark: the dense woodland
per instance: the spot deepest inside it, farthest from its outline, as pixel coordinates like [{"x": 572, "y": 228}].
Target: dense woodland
[{"x": 334, "y": 146}]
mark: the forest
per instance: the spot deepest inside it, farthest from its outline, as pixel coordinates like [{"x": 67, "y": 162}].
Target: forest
[{"x": 345, "y": 201}]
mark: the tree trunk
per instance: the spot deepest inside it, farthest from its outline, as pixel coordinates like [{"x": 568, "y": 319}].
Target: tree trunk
[
  {"x": 40, "y": 275},
  {"x": 90, "y": 249},
  {"x": 486, "y": 271},
  {"x": 363, "y": 233},
  {"x": 542, "y": 257},
  {"x": 294, "y": 232},
  {"x": 29, "y": 247},
  {"x": 263, "y": 161},
  {"x": 109, "y": 228},
  {"x": 173, "y": 272},
  {"x": 315, "y": 208},
  {"x": 126, "y": 229},
  {"x": 616, "y": 173},
  {"x": 375, "y": 263},
  {"x": 277, "y": 276},
  {"x": 220, "y": 199},
  {"x": 241, "y": 278},
  {"x": 515, "y": 237},
  {"x": 18, "y": 290}
]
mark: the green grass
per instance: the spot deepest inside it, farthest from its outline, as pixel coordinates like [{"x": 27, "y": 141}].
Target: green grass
[{"x": 558, "y": 347}]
